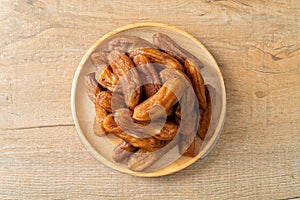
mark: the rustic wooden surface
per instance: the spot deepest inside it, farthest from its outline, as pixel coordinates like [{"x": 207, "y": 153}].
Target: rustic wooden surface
[{"x": 256, "y": 44}]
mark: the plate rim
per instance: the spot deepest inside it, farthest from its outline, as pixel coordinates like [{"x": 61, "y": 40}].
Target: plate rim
[{"x": 163, "y": 171}]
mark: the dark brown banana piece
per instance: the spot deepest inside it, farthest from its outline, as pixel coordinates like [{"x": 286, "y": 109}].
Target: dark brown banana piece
[
  {"x": 205, "y": 116},
  {"x": 105, "y": 98},
  {"x": 195, "y": 76},
  {"x": 141, "y": 160},
  {"x": 99, "y": 58},
  {"x": 158, "y": 57},
  {"x": 128, "y": 76},
  {"x": 148, "y": 75},
  {"x": 123, "y": 151},
  {"x": 149, "y": 144},
  {"x": 190, "y": 151},
  {"x": 127, "y": 43},
  {"x": 169, "y": 73},
  {"x": 168, "y": 45},
  {"x": 106, "y": 78},
  {"x": 92, "y": 86},
  {"x": 189, "y": 122},
  {"x": 159, "y": 130},
  {"x": 157, "y": 105},
  {"x": 101, "y": 113}
]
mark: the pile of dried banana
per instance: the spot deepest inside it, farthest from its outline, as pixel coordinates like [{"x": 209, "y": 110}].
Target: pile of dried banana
[{"x": 151, "y": 96}]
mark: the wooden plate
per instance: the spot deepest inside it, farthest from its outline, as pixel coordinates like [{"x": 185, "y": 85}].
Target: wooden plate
[{"x": 83, "y": 110}]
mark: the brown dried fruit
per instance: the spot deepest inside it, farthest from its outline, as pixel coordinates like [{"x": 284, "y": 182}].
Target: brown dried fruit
[
  {"x": 170, "y": 112},
  {"x": 125, "y": 70},
  {"x": 123, "y": 151},
  {"x": 106, "y": 78},
  {"x": 190, "y": 151},
  {"x": 149, "y": 144},
  {"x": 194, "y": 74},
  {"x": 169, "y": 73},
  {"x": 127, "y": 43},
  {"x": 168, "y": 45},
  {"x": 105, "y": 98},
  {"x": 159, "y": 130},
  {"x": 159, "y": 57},
  {"x": 92, "y": 86},
  {"x": 178, "y": 111},
  {"x": 99, "y": 58},
  {"x": 189, "y": 122},
  {"x": 98, "y": 129},
  {"x": 148, "y": 75},
  {"x": 100, "y": 115},
  {"x": 163, "y": 100},
  {"x": 168, "y": 131},
  {"x": 177, "y": 120},
  {"x": 190, "y": 112},
  {"x": 142, "y": 159},
  {"x": 205, "y": 116}
]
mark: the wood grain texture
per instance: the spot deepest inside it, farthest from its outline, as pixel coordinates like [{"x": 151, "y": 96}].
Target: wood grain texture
[{"x": 257, "y": 46}]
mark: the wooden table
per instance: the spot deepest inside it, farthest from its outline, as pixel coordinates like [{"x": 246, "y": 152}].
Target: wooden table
[{"x": 256, "y": 43}]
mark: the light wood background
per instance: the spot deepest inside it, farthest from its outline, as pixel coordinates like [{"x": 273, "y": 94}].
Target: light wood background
[{"x": 256, "y": 43}]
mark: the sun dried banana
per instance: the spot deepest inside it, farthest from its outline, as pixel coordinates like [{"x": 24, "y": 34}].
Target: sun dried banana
[
  {"x": 205, "y": 116},
  {"x": 128, "y": 77},
  {"x": 190, "y": 143},
  {"x": 158, "y": 57},
  {"x": 99, "y": 58},
  {"x": 149, "y": 144},
  {"x": 92, "y": 86},
  {"x": 127, "y": 43},
  {"x": 168, "y": 131},
  {"x": 100, "y": 115},
  {"x": 123, "y": 151},
  {"x": 189, "y": 122},
  {"x": 194, "y": 74},
  {"x": 157, "y": 105},
  {"x": 141, "y": 160},
  {"x": 169, "y": 73},
  {"x": 178, "y": 111},
  {"x": 106, "y": 98},
  {"x": 148, "y": 75},
  {"x": 168, "y": 45},
  {"x": 160, "y": 130},
  {"x": 106, "y": 78}
]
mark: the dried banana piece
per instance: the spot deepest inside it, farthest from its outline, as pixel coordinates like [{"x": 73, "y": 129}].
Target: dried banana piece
[
  {"x": 142, "y": 159},
  {"x": 100, "y": 115},
  {"x": 127, "y": 43},
  {"x": 178, "y": 111},
  {"x": 190, "y": 151},
  {"x": 168, "y": 131},
  {"x": 193, "y": 73},
  {"x": 123, "y": 151},
  {"x": 160, "y": 130},
  {"x": 148, "y": 75},
  {"x": 106, "y": 98},
  {"x": 92, "y": 86},
  {"x": 157, "y": 105},
  {"x": 189, "y": 122},
  {"x": 159, "y": 57},
  {"x": 169, "y": 73},
  {"x": 149, "y": 144},
  {"x": 99, "y": 58},
  {"x": 128, "y": 77},
  {"x": 205, "y": 116},
  {"x": 106, "y": 78},
  {"x": 168, "y": 45}
]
